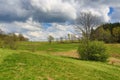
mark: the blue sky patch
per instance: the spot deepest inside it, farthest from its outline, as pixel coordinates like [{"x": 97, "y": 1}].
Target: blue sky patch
[
  {"x": 111, "y": 10},
  {"x": 46, "y": 25}
]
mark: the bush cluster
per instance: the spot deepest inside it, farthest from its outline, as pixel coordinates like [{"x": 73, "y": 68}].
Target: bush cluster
[
  {"x": 92, "y": 50},
  {"x": 10, "y": 40}
]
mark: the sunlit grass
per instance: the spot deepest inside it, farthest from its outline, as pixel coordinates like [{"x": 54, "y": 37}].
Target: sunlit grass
[
  {"x": 32, "y": 61},
  {"x": 45, "y": 46},
  {"x": 29, "y": 66},
  {"x": 113, "y": 48}
]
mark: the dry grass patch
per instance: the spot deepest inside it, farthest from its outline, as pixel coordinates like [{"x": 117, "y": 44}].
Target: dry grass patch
[
  {"x": 72, "y": 53},
  {"x": 114, "y": 61},
  {"x": 115, "y": 55}
]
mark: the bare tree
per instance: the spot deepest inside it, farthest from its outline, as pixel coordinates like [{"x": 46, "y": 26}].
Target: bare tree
[
  {"x": 85, "y": 22},
  {"x": 61, "y": 39},
  {"x": 50, "y": 39}
]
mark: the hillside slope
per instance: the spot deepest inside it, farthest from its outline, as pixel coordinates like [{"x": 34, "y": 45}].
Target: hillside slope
[{"x": 21, "y": 65}]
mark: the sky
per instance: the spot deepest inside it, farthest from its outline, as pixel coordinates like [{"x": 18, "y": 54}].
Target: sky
[{"x": 37, "y": 19}]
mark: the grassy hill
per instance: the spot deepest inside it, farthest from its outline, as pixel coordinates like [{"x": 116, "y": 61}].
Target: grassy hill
[{"x": 24, "y": 64}]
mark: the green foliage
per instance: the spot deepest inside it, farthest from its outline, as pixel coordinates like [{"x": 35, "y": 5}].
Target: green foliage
[
  {"x": 109, "y": 33},
  {"x": 102, "y": 35},
  {"x": 20, "y": 37},
  {"x": 10, "y": 40},
  {"x": 92, "y": 51},
  {"x": 116, "y": 33}
]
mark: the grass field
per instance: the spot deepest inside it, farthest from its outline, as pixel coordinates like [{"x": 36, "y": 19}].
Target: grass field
[
  {"x": 60, "y": 47},
  {"x": 44, "y": 46},
  {"x": 114, "y": 49},
  {"x": 26, "y": 63}
]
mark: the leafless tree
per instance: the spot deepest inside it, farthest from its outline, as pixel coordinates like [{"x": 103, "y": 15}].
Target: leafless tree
[
  {"x": 85, "y": 22},
  {"x": 50, "y": 39}
]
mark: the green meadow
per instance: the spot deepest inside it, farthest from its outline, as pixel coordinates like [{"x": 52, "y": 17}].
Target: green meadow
[
  {"x": 44, "y": 46},
  {"x": 37, "y": 61}
]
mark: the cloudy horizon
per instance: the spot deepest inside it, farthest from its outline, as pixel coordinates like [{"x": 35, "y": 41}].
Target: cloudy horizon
[{"x": 36, "y": 19}]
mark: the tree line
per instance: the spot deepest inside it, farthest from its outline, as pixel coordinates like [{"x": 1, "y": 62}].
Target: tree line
[
  {"x": 69, "y": 38},
  {"x": 9, "y": 40},
  {"x": 109, "y": 33}
]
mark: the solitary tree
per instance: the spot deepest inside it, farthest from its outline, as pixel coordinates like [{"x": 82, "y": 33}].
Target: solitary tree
[
  {"x": 69, "y": 37},
  {"x": 89, "y": 50},
  {"x": 85, "y": 23},
  {"x": 61, "y": 39},
  {"x": 50, "y": 39}
]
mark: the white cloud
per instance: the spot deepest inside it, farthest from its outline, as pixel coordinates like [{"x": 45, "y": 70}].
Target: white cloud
[
  {"x": 54, "y": 10},
  {"x": 60, "y": 30},
  {"x": 56, "y": 30},
  {"x": 29, "y": 25},
  {"x": 96, "y": 7},
  {"x": 36, "y": 32},
  {"x": 26, "y": 16}
]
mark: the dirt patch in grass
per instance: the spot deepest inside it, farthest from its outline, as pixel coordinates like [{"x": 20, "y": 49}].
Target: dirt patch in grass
[
  {"x": 115, "y": 55},
  {"x": 114, "y": 61},
  {"x": 49, "y": 78}
]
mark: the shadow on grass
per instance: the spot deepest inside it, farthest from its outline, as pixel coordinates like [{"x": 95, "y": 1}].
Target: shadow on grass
[{"x": 70, "y": 57}]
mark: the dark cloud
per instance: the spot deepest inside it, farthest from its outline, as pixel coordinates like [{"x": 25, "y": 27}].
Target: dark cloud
[
  {"x": 21, "y": 10},
  {"x": 51, "y": 10},
  {"x": 13, "y": 10}
]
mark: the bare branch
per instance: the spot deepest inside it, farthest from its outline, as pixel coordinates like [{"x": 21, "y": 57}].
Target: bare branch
[{"x": 85, "y": 22}]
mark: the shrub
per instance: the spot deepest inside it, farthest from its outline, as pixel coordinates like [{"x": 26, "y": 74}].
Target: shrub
[
  {"x": 92, "y": 50},
  {"x": 10, "y": 43}
]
